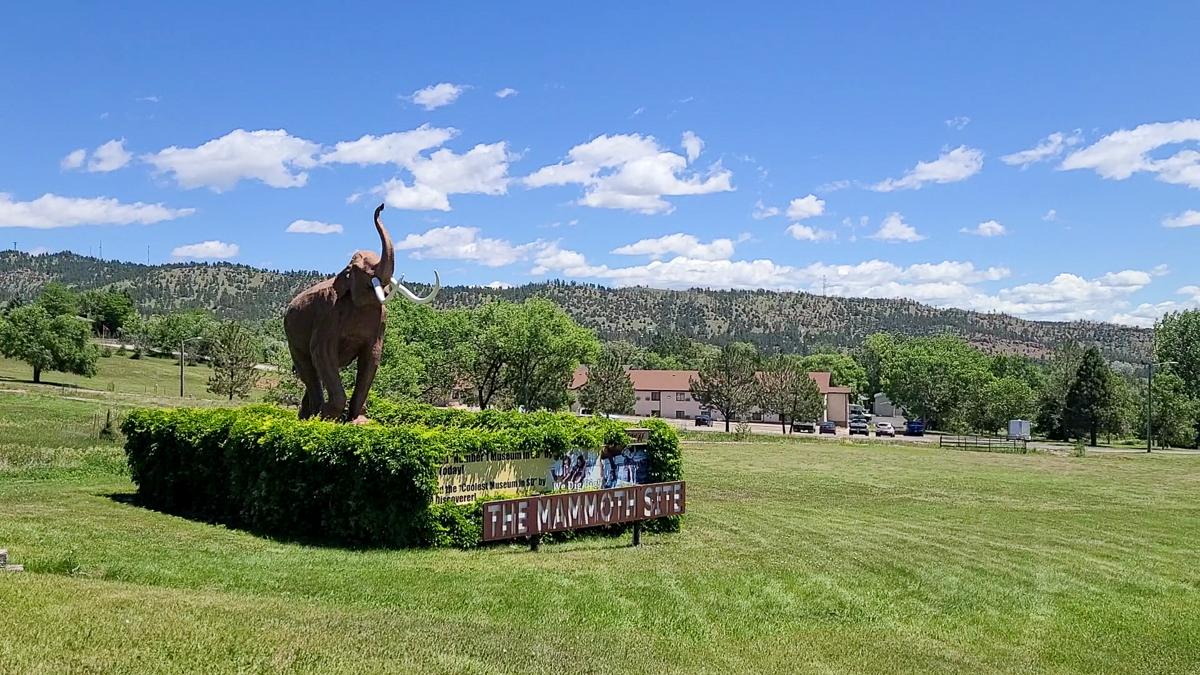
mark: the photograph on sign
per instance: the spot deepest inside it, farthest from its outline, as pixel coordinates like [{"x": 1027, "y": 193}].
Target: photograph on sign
[{"x": 582, "y": 469}]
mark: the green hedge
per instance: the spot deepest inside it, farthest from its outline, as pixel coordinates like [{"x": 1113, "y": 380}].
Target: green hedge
[{"x": 260, "y": 468}]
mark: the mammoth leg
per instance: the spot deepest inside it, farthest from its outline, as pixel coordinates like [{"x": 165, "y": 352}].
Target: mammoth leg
[
  {"x": 368, "y": 362},
  {"x": 313, "y": 396},
  {"x": 325, "y": 358}
]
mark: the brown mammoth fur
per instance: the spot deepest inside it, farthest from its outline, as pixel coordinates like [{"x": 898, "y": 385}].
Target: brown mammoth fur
[{"x": 340, "y": 320}]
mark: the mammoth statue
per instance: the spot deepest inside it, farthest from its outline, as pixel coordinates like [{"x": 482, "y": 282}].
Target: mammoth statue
[{"x": 342, "y": 319}]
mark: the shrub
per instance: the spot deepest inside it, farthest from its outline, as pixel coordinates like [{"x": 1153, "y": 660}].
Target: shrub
[{"x": 261, "y": 468}]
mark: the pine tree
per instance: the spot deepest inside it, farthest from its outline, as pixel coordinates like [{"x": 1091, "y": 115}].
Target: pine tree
[
  {"x": 234, "y": 351},
  {"x": 1090, "y": 397},
  {"x": 786, "y": 389},
  {"x": 608, "y": 389},
  {"x": 728, "y": 382}
]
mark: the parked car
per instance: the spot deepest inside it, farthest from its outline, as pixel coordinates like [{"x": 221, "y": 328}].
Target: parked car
[
  {"x": 703, "y": 421},
  {"x": 859, "y": 426},
  {"x": 828, "y": 428},
  {"x": 805, "y": 427},
  {"x": 885, "y": 429},
  {"x": 914, "y": 428}
]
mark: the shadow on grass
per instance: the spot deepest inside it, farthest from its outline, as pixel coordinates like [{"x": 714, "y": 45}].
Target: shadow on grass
[
  {"x": 611, "y": 532},
  {"x": 136, "y": 500},
  {"x": 19, "y": 380}
]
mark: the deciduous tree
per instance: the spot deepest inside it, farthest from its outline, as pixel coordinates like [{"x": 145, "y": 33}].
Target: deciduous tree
[{"x": 59, "y": 343}]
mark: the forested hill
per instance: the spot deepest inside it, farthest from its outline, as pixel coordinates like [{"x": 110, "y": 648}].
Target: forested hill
[{"x": 790, "y": 321}]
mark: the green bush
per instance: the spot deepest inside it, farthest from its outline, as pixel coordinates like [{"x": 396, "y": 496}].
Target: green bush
[{"x": 260, "y": 468}]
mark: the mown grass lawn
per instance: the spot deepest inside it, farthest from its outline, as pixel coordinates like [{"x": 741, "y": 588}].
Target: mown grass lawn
[
  {"x": 795, "y": 557},
  {"x": 145, "y": 377}
]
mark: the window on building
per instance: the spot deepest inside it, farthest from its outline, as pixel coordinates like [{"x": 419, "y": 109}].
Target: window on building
[
  {"x": 654, "y": 396},
  {"x": 681, "y": 396},
  {"x": 756, "y": 417},
  {"x": 680, "y": 415},
  {"x": 656, "y": 413}
]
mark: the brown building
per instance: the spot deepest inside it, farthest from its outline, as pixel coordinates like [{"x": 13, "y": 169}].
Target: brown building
[{"x": 667, "y": 393}]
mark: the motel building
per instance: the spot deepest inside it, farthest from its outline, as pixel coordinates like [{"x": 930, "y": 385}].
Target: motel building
[{"x": 667, "y": 393}]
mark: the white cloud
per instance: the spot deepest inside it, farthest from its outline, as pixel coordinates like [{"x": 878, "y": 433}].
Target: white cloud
[
  {"x": 313, "y": 227},
  {"x": 481, "y": 170},
  {"x": 1050, "y": 215},
  {"x": 499, "y": 284},
  {"x": 109, "y": 157},
  {"x": 1048, "y": 148},
  {"x": 273, "y": 157},
  {"x": 833, "y": 186},
  {"x": 806, "y": 233},
  {"x": 1123, "y": 153},
  {"x": 402, "y": 148},
  {"x": 51, "y": 211},
  {"x": 637, "y": 112},
  {"x": 894, "y": 229},
  {"x": 506, "y": 92},
  {"x": 630, "y": 172},
  {"x": 463, "y": 243},
  {"x": 805, "y": 207},
  {"x": 958, "y": 122},
  {"x": 1066, "y": 297},
  {"x": 760, "y": 211},
  {"x": 956, "y": 165},
  {"x": 207, "y": 249},
  {"x": 987, "y": 229},
  {"x": 692, "y": 144},
  {"x": 437, "y": 95},
  {"x": 40, "y": 250},
  {"x": 681, "y": 244},
  {"x": 73, "y": 160},
  {"x": 1069, "y": 297},
  {"x": 1185, "y": 219}
]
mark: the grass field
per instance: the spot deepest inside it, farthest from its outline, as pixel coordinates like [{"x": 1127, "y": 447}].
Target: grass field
[
  {"x": 147, "y": 377},
  {"x": 809, "y": 558}
]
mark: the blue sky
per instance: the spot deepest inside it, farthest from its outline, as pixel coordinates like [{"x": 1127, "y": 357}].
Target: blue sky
[{"x": 1039, "y": 159}]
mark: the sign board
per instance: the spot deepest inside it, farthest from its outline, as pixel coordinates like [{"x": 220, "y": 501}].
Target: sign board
[
  {"x": 540, "y": 514},
  {"x": 522, "y": 473}
]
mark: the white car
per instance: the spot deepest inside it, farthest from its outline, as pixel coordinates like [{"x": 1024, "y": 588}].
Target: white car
[{"x": 885, "y": 429}]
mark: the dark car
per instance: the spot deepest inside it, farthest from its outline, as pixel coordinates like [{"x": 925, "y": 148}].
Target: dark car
[
  {"x": 703, "y": 421},
  {"x": 828, "y": 428},
  {"x": 805, "y": 427},
  {"x": 859, "y": 426},
  {"x": 914, "y": 428}
]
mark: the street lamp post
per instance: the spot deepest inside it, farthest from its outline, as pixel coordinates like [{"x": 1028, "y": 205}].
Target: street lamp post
[
  {"x": 1150, "y": 401},
  {"x": 182, "y": 361}
]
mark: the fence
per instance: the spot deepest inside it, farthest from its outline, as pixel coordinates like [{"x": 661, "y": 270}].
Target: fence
[{"x": 984, "y": 444}]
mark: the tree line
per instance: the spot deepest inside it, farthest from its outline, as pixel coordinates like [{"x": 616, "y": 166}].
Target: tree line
[{"x": 523, "y": 355}]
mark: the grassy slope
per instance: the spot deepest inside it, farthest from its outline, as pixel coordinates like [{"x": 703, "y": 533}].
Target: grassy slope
[
  {"x": 795, "y": 558},
  {"x": 144, "y": 377}
]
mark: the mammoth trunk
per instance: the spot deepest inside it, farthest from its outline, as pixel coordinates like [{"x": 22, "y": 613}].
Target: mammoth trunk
[{"x": 387, "y": 256}]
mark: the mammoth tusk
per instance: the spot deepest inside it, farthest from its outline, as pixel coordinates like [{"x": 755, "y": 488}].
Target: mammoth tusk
[
  {"x": 378, "y": 289},
  {"x": 437, "y": 286}
]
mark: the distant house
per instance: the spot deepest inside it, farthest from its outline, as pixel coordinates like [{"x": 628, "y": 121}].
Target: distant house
[
  {"x": 667, "y": 393},
  {"x": 882, "y": 406}
]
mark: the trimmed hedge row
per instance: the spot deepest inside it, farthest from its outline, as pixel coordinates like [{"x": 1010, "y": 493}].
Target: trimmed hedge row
[{"x": 261, "y": 468}]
